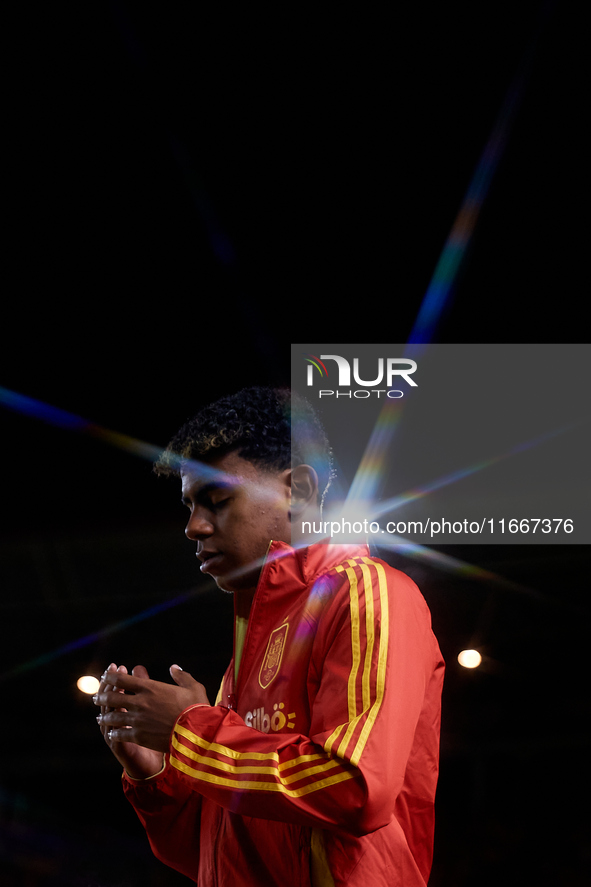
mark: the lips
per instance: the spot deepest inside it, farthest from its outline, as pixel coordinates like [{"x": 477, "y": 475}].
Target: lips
[{"x": 208, "y": 559}]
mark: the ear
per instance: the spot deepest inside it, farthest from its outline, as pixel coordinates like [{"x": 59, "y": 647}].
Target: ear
[{"x": 304, "y": 489}]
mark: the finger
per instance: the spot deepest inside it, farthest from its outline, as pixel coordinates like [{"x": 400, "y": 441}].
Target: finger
[
  {"x": 119, "y": 681},
  {"x": 119, "y": 718},
  {"x": 104, "y": 686},
  {"x": 108, "y": 671},
  {"x": 120, "y": 734},
  {"x": 105, "y": 682},
  {"x": 123, "y": 681},
  {"x": 121, "y": 670},
  {"x": 106, "y": 724},
  {"x": 111, "y": 700},
  {"x": 187, "y": 682},
  {"x": 180, "y": 677},
  {"x": 140, "y": 672}
]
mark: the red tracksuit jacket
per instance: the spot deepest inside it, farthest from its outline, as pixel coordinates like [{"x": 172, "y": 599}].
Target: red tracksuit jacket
[{"x": 319, "y": 766}]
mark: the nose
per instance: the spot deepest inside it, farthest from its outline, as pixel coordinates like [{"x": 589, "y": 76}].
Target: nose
[{"x": 198, "y": 526}]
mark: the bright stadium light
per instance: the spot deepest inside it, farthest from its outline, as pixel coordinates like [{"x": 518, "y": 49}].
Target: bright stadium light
[
  {"x": 469, "y": 658},
  {"x": 88, "y": 684}
]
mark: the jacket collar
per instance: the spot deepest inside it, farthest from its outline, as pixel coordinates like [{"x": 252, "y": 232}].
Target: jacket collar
[
  {"x": 304, "y": 565},
  {"x": 287, "y": 572}
]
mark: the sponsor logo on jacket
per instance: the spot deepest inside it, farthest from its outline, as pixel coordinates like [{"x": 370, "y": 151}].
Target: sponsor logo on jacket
[{"x": 260, "y": 720}]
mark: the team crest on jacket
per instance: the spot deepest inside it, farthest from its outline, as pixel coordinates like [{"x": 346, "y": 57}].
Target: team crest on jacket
[{"x": 273, "y": 656}]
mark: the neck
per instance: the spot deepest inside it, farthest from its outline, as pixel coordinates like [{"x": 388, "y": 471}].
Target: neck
[{"x": 243, "y": 602}]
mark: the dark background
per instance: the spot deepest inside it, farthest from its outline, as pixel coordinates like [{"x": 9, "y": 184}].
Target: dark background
[{"x": 188, "y": 190}]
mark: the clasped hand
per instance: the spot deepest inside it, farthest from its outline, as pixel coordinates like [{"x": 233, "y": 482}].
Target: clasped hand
[{"x": 135, "y": 709}]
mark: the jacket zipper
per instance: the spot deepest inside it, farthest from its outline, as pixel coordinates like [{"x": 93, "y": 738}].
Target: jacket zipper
[{"x": 234, "y": 696}]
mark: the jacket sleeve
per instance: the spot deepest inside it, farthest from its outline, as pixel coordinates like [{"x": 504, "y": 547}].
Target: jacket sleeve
[
  {"x": 170, "y": 812},
  {"x": 375, "y": 674}
]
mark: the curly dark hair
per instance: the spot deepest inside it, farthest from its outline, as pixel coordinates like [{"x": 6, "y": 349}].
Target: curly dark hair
[{"x": 274, "y": 428}]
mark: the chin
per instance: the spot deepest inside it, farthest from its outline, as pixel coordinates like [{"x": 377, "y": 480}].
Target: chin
[
  {"x": 225, "y": 584},
  {"x": 230, "y": 584},
  {"x": 233, "y": 584}
]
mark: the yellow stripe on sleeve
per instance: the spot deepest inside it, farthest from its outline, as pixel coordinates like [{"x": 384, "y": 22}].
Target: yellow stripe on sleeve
[
  {"x": 370, "y": 709},
  {"x": 382, "y": 661},
  {"x": 240, "y": 756},
  {"x": 329, "y": 764},
  {"x": 369, "y": 635},
  {"x": 355, "y": 642},
  {"x": 355, "y": 653},
  {"x": 245, "y": 785}
]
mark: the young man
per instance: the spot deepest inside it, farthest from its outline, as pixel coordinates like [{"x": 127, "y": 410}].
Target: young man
[{"x": 318, "y": 763}]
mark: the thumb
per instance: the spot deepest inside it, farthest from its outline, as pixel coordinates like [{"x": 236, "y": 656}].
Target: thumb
[{"x": 180, "y": 677}]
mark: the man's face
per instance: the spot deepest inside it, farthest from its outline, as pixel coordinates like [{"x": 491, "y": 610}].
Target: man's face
[{"x": 233, "y": 519}]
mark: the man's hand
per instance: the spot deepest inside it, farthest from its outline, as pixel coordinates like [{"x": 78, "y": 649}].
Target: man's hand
[{"x": 138, "y": 733}]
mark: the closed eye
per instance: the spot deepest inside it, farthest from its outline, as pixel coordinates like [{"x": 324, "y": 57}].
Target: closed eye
[
  {"x": 221, "y": 503},
  {"x": 208, "y": 503}
]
